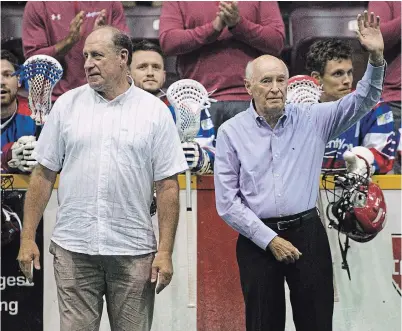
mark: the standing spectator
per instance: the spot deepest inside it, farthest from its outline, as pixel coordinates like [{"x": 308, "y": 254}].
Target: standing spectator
[
  {"x": 214, "y": 41},
  {"x": 330, "y": 63},
  {"x": 390, "y": 13},
  {"x": 111, "y": 141},
  {"x": 267, "y": 166},
  {"x": 17, "y": 127},
  {"x": 148, "y": 72},
  {"x": 59, "y": 29}
]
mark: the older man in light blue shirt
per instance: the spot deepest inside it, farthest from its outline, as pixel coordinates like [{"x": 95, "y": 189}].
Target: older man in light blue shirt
[{"x": 267, "y": 167}]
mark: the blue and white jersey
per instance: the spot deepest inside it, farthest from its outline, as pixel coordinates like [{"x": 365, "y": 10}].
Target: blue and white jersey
[
  {"x": 206, "y": 137},
  {"x": 374, "y": 131}
]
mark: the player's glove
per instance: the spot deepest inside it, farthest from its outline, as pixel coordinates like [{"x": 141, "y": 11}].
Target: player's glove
[
  {"x": 359, "y": 160},
  {"x": 197, "y": 159},
  {"x": 21, "y": 154}
]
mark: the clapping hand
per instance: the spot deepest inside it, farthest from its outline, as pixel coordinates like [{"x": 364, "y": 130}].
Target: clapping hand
[{"x": 229, "y": 13}]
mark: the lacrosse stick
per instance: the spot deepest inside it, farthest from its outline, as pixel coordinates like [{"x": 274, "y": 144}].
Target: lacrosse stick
[
  {"x": 42, "y": 73},
  {"x": 188, "y": 98},
  {"x": 303, "y": 89}
]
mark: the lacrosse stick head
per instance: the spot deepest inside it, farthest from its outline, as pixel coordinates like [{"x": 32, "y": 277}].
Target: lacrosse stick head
[
  {"x": 188, "y": 97},
  {"x": 303, "y": 89},
  {"x": 42, "y": 73}
]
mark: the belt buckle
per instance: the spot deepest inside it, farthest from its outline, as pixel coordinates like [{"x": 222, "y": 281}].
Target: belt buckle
[{"x": 285, "y": 223}]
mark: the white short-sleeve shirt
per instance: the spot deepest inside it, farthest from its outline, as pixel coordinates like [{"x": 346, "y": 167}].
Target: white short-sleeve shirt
[{"x": 110, "y": 153}]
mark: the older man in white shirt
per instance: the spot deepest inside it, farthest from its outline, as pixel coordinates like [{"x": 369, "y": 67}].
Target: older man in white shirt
[{"x": 110, "y": 151}]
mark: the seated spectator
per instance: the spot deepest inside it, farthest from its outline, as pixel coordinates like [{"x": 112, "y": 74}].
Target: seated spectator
[
  {"x": 215, "y": 41},
  {"x": 390, "y": 13},
  {"x": 330, "y": 62},
  {"x": 17, "y": 127},
  {"x": 148, "y": 73},
  {"x": 59, "y": 29}
]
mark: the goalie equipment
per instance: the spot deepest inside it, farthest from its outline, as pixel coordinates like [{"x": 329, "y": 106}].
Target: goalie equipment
[
  {"x": 10, "y": 225},
  {"x": 41, "y": 72},
  {"x": 197, "y": 158},
  {"x": 359, "y": 160},
  {"x": 303, "y": 89},
  {"x": 21, "y": 154},
  {"x": 188, "y": 98},
  {"x": 359, "y": 211}
]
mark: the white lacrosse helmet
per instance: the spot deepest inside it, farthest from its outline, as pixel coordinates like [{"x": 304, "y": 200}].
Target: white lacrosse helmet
[
  {"x": 303, "y": 89},
  {"x": 188, "y": 98},
  {"x": 42, "y": 72}
]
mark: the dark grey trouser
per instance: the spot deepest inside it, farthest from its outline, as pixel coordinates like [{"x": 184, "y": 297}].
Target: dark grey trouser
[
  {"x": 82, "y": 280},
  {"x": 396, "y": 112},
  {"x": 221, "y": 111},
  {"x": 310, "y": 281}
]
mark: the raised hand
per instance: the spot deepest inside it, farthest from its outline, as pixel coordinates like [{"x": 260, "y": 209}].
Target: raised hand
[
  {"x": 229, "y": 12},
  {"x": 76, "y": 28},
  {"x": 101, "y": 19},
  {"x": 370, "y": 36}
]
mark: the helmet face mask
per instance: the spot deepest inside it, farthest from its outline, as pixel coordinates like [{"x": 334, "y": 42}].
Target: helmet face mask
[{"x": 359, "y": 211}]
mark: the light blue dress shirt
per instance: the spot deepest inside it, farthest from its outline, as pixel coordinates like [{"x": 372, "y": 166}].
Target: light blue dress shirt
[{"x": 262, "y": 172}]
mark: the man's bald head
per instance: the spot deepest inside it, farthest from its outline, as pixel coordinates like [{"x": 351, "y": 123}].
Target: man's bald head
[
  {"x": 118, "y": 39},
  {"x": 108, "y": 53},
  {"x": 266, "y": 81},
  {"x": 256, "y": 63}
]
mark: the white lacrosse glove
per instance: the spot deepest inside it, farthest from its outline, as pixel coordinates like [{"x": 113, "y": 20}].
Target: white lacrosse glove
[
  {"x": 21, "y": 154},
  {"x": 197, "y": 159},
  {"x": 359, "y": 160}
]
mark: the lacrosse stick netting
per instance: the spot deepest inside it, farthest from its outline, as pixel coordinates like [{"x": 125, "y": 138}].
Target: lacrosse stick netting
[
  {"x": 42, "y": 73},
  {"x": 303, "y": 89},
  {"x": 189, "y": 98}
]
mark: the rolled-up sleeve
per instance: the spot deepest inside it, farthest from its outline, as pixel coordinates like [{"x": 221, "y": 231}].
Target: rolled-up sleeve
[
  {"x": 227, "y": 194},
  {"x": 167, "y": 155}
]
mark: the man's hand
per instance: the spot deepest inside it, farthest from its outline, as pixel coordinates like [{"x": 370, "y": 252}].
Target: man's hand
[
  {"x": 218, "y": 23},
  {"x": 370, "y": 37},
  {"x": 229, "y": 13},
  {"x": 28, "y": 253},
  {"x": 76, "y": 28},
  {"x": 283, "y": 250},
  {"x": 359, "y": 161},
  {"x": 21, "y": 154},
  {"x": 101, "y": 19},
  {"x": 162, "y": 270}
]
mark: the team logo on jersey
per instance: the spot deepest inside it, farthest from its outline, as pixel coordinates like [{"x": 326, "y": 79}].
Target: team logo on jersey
[
  {"x": 396, "y": 274},
  {"x": 56, "y": 17},
  {"x": 385, "y": 118}
]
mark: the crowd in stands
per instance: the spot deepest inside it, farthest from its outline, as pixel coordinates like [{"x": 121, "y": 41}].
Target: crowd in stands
[{"x": 212, "y": 42}]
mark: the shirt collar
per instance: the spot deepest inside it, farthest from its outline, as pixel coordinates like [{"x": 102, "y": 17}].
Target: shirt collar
[
  {"x": 119, "y": 99},
  {"x": 259, "y": 119}
]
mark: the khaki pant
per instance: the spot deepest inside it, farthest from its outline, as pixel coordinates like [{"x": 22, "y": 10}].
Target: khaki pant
[{"x": 82, "y": 280}]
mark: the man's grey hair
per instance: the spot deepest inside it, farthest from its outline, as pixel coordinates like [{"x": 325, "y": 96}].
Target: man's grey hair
[
  {"x": 249, "y": 70},
  {"x": 120, "y": 41}
]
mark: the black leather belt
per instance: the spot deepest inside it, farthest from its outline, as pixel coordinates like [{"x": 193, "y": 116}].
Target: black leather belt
[{"x": 291, "y": 221}]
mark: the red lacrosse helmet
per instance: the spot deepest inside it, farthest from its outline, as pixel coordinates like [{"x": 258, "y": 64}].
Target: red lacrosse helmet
[{"x": 360, "y": 211}]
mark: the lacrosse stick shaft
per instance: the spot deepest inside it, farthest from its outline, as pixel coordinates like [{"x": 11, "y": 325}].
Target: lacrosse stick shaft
[
  {"x": 38, "y": 130},
  {"x": 190, "y": 245}
]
